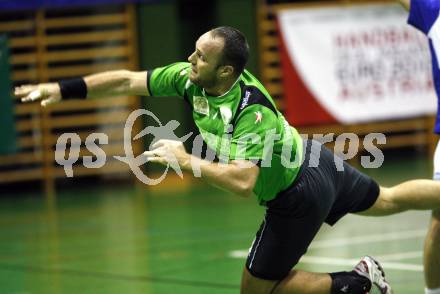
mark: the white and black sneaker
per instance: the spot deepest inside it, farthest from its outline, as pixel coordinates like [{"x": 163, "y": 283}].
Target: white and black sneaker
[{"x": 371, "y": 269}]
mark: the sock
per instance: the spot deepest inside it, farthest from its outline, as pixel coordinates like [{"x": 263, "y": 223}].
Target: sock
[
  {"x": 432, "y": 291},
  {"x": 349, "y": 283}
]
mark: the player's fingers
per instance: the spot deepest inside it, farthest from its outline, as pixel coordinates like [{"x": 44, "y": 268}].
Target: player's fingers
[
  {"x": 155, "y": 159},
  {"x": 24, "y": 90},
  {"x": 159, "y": 143},
  {"x": 49, "y": 101},
  {"x": 32, "y": 96},
  {"x": 149, "y": 154},
  {"x": 153, "y": 153},
  {"x": 152, "y": 156}
]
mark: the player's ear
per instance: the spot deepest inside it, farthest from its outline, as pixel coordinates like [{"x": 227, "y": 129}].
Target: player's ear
[{"x": 226, "y": 71}]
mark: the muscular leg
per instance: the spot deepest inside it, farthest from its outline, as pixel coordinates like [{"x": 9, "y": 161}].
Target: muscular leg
[
  {"x": 417, "y": 195},
  {"x": 432, "y": 248},
  {"x": 300, "y": 282},
  {"x": 410, "y": 195},
  {"x": 432, "y": 252}
]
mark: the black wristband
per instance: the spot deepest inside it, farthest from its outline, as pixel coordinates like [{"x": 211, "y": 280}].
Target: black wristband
[{"x": 73, "y": 89}]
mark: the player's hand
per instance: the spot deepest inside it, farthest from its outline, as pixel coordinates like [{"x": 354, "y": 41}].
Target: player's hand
[
  {"x": 168, "y": 152},
  {"x": 48, "y": 93}
]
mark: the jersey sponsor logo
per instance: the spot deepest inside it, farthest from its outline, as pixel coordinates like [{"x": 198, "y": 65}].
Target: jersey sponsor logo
[
  {"x": 201, "y": 105},
  {"x": 258, "y": 116},
  {"x": 245, "y": 101}
]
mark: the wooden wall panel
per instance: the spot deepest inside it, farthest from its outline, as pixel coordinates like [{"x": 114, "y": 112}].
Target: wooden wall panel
[{"x": 47, "y": 45}]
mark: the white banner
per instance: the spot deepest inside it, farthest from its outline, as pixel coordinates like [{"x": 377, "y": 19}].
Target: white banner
[{"x": 361, "y": 63}]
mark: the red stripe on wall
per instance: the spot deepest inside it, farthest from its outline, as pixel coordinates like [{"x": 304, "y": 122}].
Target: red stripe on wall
[{"x": 301, "y": 109}]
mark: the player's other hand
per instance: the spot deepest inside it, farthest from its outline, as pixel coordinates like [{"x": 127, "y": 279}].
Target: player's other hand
[
  {"x": 46, "y": 93},
  {"x": 167, "y": 151}
]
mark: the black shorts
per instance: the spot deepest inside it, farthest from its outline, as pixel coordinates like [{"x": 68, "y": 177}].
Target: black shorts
[{"x": 319, "y": 194}]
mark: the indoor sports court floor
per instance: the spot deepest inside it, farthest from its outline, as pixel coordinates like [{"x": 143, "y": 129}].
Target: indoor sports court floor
[{"x": 122, "y": 239}]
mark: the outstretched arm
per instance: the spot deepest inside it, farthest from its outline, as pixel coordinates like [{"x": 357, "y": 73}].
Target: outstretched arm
[
  {"x": 405, "y": 3},
  {"x": 105, "y": 84},
  {"x": 114, "y": 83}
]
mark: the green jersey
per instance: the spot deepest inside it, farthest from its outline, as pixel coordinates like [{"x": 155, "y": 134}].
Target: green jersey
[{"x": 241, "y": 124}]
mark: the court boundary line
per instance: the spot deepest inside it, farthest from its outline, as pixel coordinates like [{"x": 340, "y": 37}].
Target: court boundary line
[
  {"x": 322, "y": 260},
  {"x": 400, "y": 256},
  {"x": 388, "y": 259},
  {"x": 113, "y": 276},
  {"x": 367, "y": 238}
]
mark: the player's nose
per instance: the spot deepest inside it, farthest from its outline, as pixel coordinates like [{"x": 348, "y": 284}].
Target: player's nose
[{"x": 191, "y": 59}]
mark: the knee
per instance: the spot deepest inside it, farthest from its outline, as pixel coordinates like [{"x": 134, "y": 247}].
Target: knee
[
  {"x": 385, "y": 204},
  {"x": 246, "y": 282},
  {"x": 390, "y": 199},
  {"x": 254, "y": 285}
]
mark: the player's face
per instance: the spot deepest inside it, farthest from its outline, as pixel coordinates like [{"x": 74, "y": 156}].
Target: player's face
[{"x": 205, "y": 61}]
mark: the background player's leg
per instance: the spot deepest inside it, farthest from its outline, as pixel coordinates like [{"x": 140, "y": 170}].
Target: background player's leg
[
  {"x": 432, "y": 242},
  {"x": 419, "y": 195},
  {"x": 431, "y": 256},
  {"x": 432, "y": 253}
]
